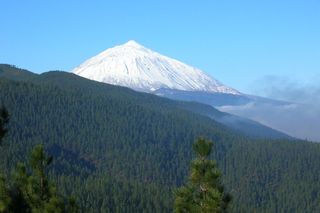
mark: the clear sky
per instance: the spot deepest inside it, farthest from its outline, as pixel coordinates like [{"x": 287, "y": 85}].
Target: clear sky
[{"x": 237, "y": 42}]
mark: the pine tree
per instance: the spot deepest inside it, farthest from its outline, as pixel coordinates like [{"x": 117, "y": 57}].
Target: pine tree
[
  {"x": 31, "y": 191},
  {"x": 204, "y": 192},
  {"x": 39, "y": 193}
]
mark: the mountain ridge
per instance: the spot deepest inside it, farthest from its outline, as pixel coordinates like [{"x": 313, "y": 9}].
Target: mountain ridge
[{"x": 70, "y": 81}]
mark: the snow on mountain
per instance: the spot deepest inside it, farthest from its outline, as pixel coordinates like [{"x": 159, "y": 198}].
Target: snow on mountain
[{"x": 134, "y": 66}]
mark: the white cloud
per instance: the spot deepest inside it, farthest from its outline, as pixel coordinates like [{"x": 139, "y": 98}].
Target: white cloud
[{"x": 300, "y": 120}]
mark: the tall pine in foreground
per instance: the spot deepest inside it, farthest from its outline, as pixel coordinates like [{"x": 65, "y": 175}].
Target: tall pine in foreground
[
  {"x": 204, "y": 192},
  {"x": 31, "y": 191}
]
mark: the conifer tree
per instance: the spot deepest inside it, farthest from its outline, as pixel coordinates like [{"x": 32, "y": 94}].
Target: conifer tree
[
  {"x": 204, "y": 192},
  {"x": 39, "y": 193},
  {"x": 31, "y": 191}
]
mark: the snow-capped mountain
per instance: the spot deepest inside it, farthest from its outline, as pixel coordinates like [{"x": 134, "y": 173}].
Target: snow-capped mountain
[{"x": 134, "y": 66}]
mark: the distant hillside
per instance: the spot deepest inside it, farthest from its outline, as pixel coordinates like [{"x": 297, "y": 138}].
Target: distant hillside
[
  {"x": 242, "y": 125},
  {"x": 118, "y": 150}
]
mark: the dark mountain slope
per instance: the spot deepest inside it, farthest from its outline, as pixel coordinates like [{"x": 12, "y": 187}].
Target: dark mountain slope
[
  {"x": 14, "y": 73},
  {"x": 70, "y": 81}
]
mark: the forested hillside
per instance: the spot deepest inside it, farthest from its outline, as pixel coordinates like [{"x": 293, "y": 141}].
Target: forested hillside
[{"x": 117, "y": 150}]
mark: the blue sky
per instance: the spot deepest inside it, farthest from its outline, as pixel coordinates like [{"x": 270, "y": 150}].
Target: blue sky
[{"x": 237, "y": 42}]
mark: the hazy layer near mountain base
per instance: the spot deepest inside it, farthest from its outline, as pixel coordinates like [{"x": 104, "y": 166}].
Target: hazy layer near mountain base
[{"x": 297, "y": 120}]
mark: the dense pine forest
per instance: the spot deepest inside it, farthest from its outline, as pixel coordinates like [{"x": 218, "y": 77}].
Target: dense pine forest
[{"x": 116, "y": 150}]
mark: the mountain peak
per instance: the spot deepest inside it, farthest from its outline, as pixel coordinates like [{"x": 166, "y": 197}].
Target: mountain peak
[
  {"x": 134, "y": 66},
  {"x": 132, "y": 43}
]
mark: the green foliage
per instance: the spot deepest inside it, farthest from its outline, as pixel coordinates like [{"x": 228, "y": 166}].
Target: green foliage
[
  {"x": 204, "y": 192},
  {"x": 36, "y": 189},
  {"x": 117, "y": 150},
  {"x": 202, "y": 148},
  {"x": 4, "y": 197},
  {"x": 32, "y": 192}
]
